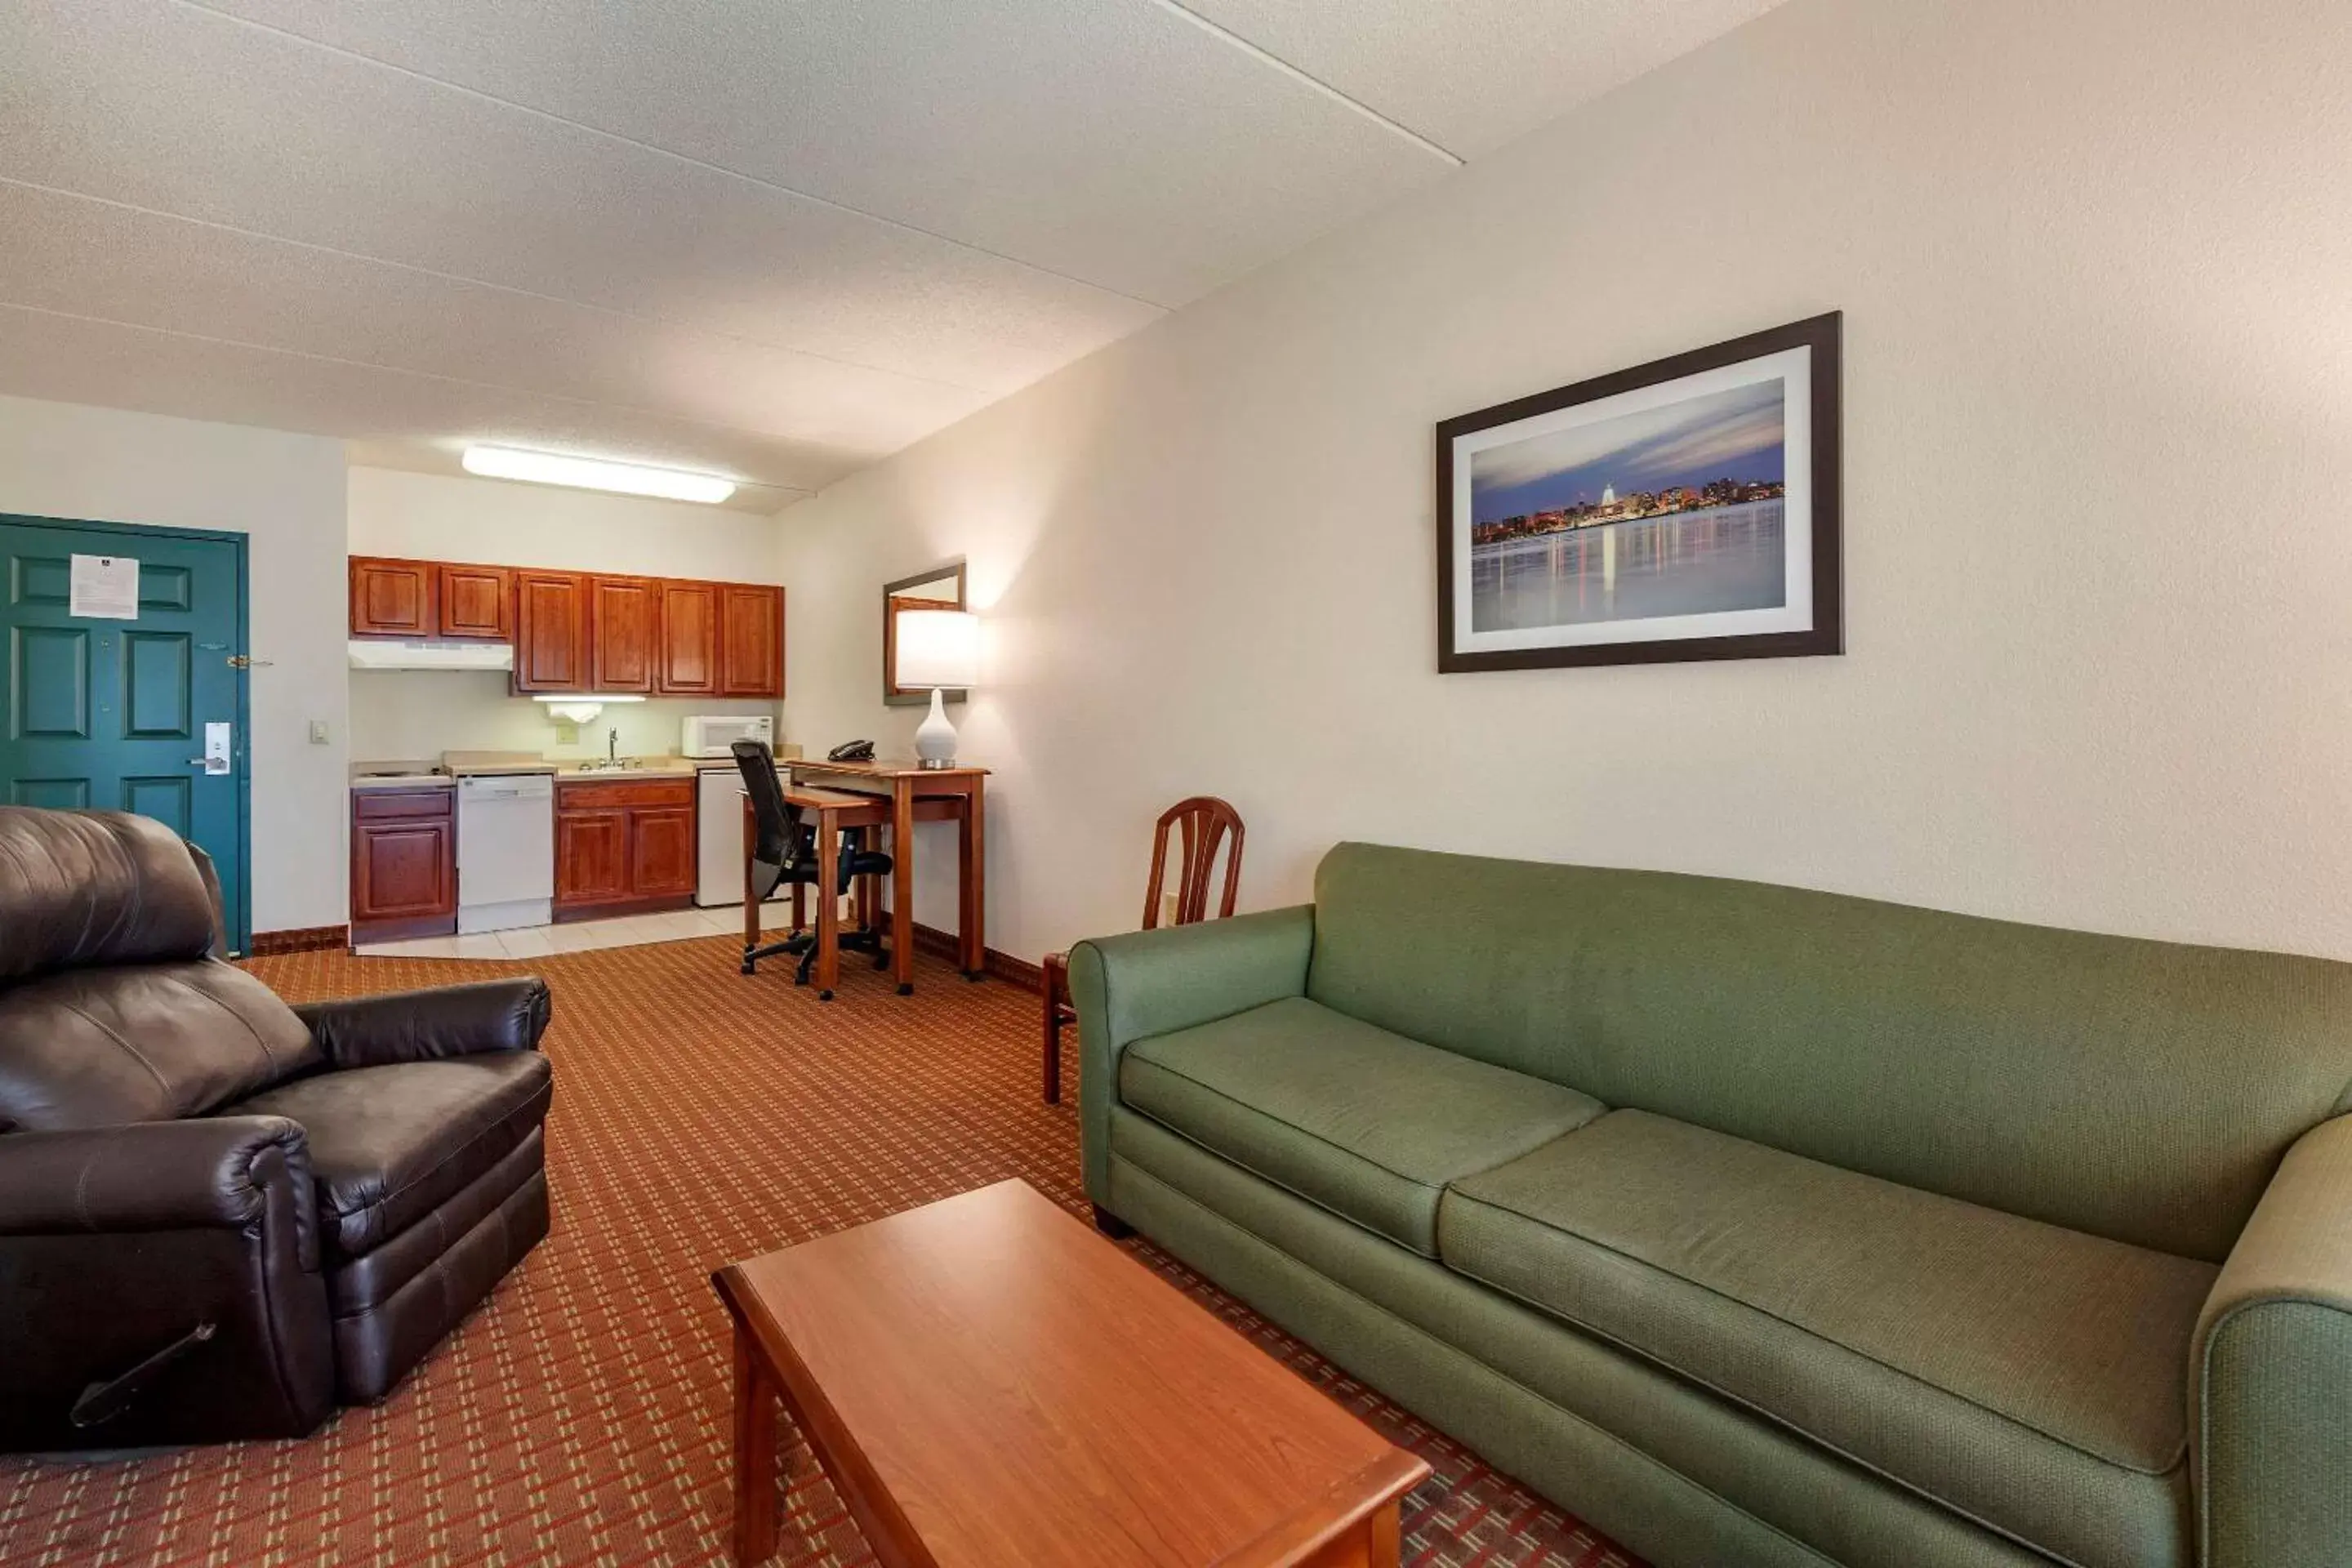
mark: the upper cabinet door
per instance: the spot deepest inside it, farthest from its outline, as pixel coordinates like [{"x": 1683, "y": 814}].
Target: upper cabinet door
[
  {"x": 551, "y": 610},
  {"x": 689, "y": 639},
  {"x": 477, "y": 601},
  {"x": 393, "y": 598},
  {"x": 751, "y": 641},
  {"x": 623, "y": 618}
]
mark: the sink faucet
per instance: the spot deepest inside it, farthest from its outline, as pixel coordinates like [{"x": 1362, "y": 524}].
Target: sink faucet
[{"x": 613, "y": 746}]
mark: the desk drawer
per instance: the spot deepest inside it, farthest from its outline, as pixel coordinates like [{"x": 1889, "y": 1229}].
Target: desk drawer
[
  {"x": 376, "y": 804},
  {"x": 602, "y": 797}
]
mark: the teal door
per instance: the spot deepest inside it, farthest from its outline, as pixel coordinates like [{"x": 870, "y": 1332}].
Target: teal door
[{"x": 113, "y": 714}]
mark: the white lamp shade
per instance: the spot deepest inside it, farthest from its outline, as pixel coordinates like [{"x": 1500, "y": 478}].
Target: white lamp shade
[{"x": 939, "y": 648}]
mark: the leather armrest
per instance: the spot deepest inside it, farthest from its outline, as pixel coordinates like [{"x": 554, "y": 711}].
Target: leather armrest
[
  {"x": 160, "y": 1283},
  {"x": 209, "y": 1172},
  {"x": 427, "y": 1026},
  {"x": 2271, "y": 1374},
  {"x": 1146, "y": 983}
]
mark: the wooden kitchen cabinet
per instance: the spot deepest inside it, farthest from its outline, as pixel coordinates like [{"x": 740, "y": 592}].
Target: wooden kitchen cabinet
[
  {"x": 592, "y": 855},
  {"x": 393, "y": 598},
  {"x": 476, "y": 602},
  {"x": 662, "y": 856},
  {"x": 624, "y": 622},
  {"x": 550, "y": 631},
  {"x": 584, "y": 631},
  {"x": 404, "y": 864},
  {"x": 751, "y": 640},
  {"x": 689, "y": 639},
  {"x": 623, "y": 846}
]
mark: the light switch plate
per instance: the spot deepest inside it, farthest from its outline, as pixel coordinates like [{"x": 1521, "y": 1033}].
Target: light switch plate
[{"x": 318, "y": 732}]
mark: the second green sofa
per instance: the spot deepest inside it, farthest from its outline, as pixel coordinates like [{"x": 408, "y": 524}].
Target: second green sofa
[{"x": 1761, "y": 1225}]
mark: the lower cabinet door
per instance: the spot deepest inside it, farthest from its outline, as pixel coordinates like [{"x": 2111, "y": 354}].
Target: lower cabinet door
[
  {"x": 592, "y": 857},
  {"x": 663, "y": 854},
  {"x": 402, "y": 870}
]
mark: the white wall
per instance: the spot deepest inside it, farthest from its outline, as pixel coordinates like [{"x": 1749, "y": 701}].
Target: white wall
[
  {"x": 2093, "y": 263},
  {"x": 413, "y": 715},
  {"x": 416, "y": 715},
  {"x": 285, "y": 491}
]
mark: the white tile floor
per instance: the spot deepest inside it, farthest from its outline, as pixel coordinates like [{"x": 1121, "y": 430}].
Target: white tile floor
[{"x": 581, "y": 936}]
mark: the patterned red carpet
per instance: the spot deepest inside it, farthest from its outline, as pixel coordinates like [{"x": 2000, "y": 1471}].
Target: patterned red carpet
[{"x": 581, "y": 1416}]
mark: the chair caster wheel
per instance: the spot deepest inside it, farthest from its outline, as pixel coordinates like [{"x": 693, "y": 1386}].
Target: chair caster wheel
[
  {"x": 908, "y": 989},
  {"x": 882, "y": 961},
  {"x": 747, "y": 969},
  {"x": 824, "y": 996},
  {"x": 974, "y": 977}
]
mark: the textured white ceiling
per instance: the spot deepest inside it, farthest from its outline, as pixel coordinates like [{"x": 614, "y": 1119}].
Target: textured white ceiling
[
  {"x": 1471, "y": 75},
  {"x": 776, "y": 239}
]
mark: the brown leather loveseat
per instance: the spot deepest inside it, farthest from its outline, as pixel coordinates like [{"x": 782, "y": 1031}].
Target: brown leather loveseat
[{"x": 221, "y": 1215}]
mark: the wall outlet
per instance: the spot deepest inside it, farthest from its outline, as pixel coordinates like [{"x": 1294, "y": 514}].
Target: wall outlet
[
  {"x": 1167, "y": 909},
  {"x": 318, "y": 732}
]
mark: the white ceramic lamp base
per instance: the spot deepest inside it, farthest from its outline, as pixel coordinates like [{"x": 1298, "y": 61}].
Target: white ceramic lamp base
[{"x": 935, "y": 741}]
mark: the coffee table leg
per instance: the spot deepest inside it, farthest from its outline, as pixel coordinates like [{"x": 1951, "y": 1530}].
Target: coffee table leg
[
  {"x": 1374, "y": 1543},
  {"x": 757, "y": 1484}
]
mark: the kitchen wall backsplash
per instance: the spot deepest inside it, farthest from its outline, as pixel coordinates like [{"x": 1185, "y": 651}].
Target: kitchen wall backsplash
[{"x": 410, "y": 715}]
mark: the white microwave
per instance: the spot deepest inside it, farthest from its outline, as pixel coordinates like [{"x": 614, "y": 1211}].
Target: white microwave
[{"x": 711, "y": 734}]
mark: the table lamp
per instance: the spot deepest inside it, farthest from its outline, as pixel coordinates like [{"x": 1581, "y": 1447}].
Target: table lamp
[{"x": 940, "y": 649}]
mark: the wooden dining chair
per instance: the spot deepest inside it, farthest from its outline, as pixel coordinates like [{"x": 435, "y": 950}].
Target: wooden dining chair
[{"x": 1203, "y": 821}]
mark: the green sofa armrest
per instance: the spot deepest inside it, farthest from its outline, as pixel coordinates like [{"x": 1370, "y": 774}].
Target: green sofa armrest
[
  {"x": 2272, "y": 1374},
  {"x": 1146, "y": 983}
]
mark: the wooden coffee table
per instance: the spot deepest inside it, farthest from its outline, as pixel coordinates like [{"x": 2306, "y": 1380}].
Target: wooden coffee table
[{"x": 991, "y": 1385}]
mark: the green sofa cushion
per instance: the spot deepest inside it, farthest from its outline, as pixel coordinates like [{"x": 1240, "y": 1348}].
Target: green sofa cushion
[
  {"x": 2030, "y": 1377},
  {"x": 2139, "y": 1091},
  {"x": 1367, "y": 1124}
]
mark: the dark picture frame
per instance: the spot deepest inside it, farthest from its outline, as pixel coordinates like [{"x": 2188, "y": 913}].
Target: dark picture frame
[{"x": 1820, "y": 341}]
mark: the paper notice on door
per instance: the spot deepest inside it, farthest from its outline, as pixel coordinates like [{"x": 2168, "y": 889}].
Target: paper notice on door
[{"x": 103, "y": 588}]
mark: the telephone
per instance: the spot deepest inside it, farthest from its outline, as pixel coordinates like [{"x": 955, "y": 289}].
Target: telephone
[{"x": 851, "y": 751}]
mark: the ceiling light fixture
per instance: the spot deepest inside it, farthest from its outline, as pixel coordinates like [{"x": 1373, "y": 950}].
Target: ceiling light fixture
[{"x": 589, "y": 473}]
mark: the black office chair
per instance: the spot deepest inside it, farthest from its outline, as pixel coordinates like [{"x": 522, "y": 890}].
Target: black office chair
[{"x": 785, "y": 850}]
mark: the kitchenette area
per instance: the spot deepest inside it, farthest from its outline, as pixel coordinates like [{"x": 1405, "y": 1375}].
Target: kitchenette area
[{"x": 548, "y": 765}]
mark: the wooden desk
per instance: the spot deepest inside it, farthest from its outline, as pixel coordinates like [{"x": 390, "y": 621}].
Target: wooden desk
[
  {"x": 907, "y": 786},
  {"x": 836, "y": 812},
  {"x": 989, "y": 1384}
]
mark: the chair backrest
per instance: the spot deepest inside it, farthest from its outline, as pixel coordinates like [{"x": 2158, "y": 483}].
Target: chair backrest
[
  {"x": 776, "y": 822},
  {"x": 111, "y": 1008},
  {"x": 1202, "y": 822},
  {"x": 88, "y": 888}
]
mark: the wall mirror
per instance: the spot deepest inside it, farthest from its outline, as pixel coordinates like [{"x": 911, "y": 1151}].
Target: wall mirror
[{"x": 940, "y": 588}]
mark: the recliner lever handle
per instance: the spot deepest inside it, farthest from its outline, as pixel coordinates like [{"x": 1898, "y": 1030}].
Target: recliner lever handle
[{"x": 102, "y": 1402}]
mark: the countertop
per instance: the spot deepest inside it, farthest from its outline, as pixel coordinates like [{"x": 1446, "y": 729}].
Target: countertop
[
  {"x": 456, "y": 765},
  {"x": 402, "y": 775},
  {"x": 651, "y": 768}
]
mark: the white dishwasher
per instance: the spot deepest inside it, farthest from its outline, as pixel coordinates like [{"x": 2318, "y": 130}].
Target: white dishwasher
[{"x": 506, "y": 851}]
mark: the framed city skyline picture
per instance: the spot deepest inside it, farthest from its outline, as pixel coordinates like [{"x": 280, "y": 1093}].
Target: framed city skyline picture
[{"x": 1683, "y": 510}]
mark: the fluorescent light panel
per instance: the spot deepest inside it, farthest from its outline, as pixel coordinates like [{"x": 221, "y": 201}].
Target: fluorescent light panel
[{"x": 589, "y": 473}]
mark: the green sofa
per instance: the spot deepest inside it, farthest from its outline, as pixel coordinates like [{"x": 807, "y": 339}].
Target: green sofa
[{"x": 1760, "y": 1225}]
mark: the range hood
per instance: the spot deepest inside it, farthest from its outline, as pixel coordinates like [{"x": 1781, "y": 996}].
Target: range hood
[{"x": 376, "y": 653}]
